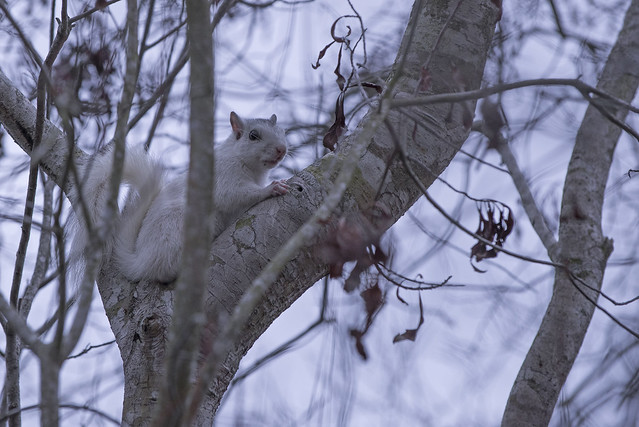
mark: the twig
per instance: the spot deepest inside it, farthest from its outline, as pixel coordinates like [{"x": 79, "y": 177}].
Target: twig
[
  {"x": 421, "y": 285},
  {"x": 181, "y": 62},
  {"x": 91, "y": 11},
  {"x": 555, "y": 12},
  {"x": 85, "y": 291},
  {"x": 88, "y": 348},
  {"x": 583, "y": 88},
  {"x": 164, "y": 36},
  {"x": 87, "y": 408},
  {"x": 574, "y": 279},
  {"x": 43, "y": 257},
  {"x": 21, "y": 328},
  {"x": 289, "y": 343}
]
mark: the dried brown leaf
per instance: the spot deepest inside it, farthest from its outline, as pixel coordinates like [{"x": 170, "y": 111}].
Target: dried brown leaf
[
  {"x": 339, "y": 126},
  {"x": 409, "y": 334},
  {"x": 373, "y": 299},
  {"x": 359, "y": 345},
  {"x": 321, "y": 55},
  {"x": 378, "y": 88}
]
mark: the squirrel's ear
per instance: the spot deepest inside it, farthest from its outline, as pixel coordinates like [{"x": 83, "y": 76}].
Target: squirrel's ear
[
  {"x": 273, "y": 119},
  {"x": 237, "y": 125}
]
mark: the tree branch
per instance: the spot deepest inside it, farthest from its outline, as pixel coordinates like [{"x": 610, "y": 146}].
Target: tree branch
[
  {"x": 582, "y": 247},
  {"x": 18, "y": 117},
  {"x": 584, "y": 89},
  {"x": 188, "y": 314}
]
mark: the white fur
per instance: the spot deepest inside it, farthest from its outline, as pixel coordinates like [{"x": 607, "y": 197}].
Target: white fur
[{"x": 148, "y": 240}]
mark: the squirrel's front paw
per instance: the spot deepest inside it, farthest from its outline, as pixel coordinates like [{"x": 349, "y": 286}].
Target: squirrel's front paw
[{"x": 279, "y": 188}]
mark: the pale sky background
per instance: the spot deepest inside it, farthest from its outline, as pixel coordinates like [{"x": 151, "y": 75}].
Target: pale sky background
[{"x": 462, "y": 365}]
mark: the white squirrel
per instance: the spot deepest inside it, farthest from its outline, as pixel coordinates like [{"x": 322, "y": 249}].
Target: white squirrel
[{"x": 147, "y": 243}]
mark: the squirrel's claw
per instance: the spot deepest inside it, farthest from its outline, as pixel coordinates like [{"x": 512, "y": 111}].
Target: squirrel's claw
[{"x": 279, "y": 188}]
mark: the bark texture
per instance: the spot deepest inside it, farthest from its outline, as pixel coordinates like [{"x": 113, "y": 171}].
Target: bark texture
[
  {"x": 583, "y": 248},
  {"x": 140, "y": 313},
  {"x": 18, "y": 117}
]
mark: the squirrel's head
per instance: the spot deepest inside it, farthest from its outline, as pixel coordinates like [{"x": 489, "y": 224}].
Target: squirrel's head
[{"x": 261, "y": 138}]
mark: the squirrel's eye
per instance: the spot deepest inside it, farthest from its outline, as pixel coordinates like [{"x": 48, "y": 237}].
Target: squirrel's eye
[{"x": 254, "y": 135}]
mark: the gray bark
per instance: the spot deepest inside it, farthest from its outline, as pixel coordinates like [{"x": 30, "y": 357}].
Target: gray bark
[
  {"x": 12, "y": 377},
  {"x": 18, "y": 117},
  {"x": 582, "y": 247},
  {"x": 49, "y": 394},
  {"x": 140, "y": 313},
  {"x": 184, "y": 339}
]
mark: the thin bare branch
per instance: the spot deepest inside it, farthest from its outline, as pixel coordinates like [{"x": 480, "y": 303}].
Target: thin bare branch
[
  {"x": 585, "y": 89},
  {"x": 107, "y": 221},
  {"x": 92, "y": 11},
  {"x": 188, "y": 311},
  {"x": 21, "y": 328},
  {"x": 183, "y": 58},
  {"x": 66, "y": 406}
]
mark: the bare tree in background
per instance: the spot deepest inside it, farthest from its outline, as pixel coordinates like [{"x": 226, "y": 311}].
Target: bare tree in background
[{"x": 181, "y": 345}]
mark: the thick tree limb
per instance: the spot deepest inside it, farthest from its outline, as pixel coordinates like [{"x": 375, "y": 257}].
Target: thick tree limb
[
  {"x": 472, "y": 22},
  {"x": 18, "y": 117}
]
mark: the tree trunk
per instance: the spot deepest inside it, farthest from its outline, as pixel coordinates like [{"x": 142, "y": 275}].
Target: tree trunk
[{"x": 582, "y": 247}]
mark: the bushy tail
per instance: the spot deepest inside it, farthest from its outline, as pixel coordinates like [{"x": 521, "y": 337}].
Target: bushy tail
[
  {"x": 146, "y": 177},
  {"x": 140, "y": 171}
]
